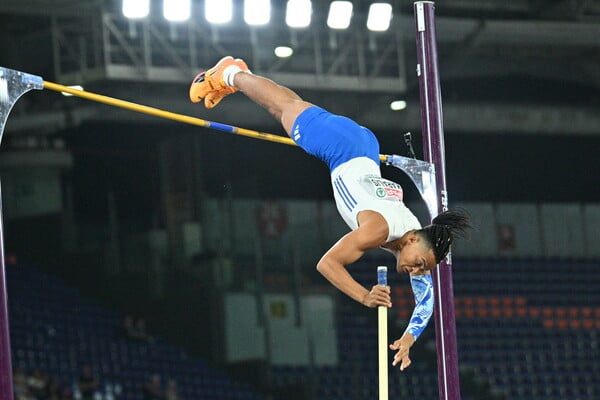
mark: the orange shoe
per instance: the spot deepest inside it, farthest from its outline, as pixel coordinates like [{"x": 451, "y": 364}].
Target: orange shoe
[
  {"x": 211, "y": 86},
  {"x": 214, "y": 80},
  {"x": 213, "y": 98},
  {"x": 199, "y": 88}
]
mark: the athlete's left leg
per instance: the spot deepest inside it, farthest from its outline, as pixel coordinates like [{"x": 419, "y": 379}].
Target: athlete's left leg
[
  {"x": 283, "y": 103},
  {"x": 230, "y": 75}
]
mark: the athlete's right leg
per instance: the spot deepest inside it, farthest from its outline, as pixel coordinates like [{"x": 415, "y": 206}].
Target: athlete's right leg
[
  {"x": 283, "y": 103},
  {"x": 229, "y": 76},
  {"x": 332, "y": 138}
]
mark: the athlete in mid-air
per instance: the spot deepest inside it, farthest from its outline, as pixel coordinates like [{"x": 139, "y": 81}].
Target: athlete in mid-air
[{"x": 371, "y": 205}]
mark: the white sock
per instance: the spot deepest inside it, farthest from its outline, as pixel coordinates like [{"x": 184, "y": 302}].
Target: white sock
[{"x": 229, "y": 74}]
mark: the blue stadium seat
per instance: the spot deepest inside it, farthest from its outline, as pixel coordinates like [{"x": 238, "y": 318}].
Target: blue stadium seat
[{"x": 54, "y": 328}]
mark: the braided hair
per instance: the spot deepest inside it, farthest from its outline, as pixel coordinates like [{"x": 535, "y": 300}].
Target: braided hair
[{"x": 442, "y": 231}]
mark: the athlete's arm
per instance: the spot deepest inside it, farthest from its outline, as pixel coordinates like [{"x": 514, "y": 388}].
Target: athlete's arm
[
  {"x": 422, "y": 286},
  {"x": 371, "y": 233}
]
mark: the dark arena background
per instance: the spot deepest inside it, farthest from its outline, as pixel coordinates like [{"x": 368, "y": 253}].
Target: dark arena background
[{"x": 150, "y": 259}]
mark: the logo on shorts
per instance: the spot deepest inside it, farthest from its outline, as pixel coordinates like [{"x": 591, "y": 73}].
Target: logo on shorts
[
  {"x": 297, "y": 132},
  {"x": 380, "y": 192}
]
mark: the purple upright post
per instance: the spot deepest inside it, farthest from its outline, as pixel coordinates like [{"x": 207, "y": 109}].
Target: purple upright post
[
  {"x": 6, "y": 388},
  {"x": 433, "y": 149},
  {"x": 13, "y": 84}
]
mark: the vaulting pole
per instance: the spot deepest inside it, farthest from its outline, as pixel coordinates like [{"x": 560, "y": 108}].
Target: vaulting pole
[
  {"x": 433, "y": 149},
  {"x": 382, "y": 339}
]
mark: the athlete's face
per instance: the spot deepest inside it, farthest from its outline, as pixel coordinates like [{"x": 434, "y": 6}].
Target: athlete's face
[{"x": 415, "y": 257}]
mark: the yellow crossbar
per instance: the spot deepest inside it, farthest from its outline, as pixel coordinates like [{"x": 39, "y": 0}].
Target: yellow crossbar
[{"x": 128, "y": 105}]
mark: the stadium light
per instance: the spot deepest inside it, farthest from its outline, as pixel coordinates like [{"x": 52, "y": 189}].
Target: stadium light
[
  {"x": 134, "y": 9},
  {"x": 340, "y": 13},
  {"x": 257, "y": 12},
  {"x": 398, "y": 105},
  {"x": 380, "y": 15},
  {"x": 298, "y": 13},
  {"x": 283, "y": 51},
  {"x": 177, "y": 10},
  {"x": 218, "y": 11}
]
